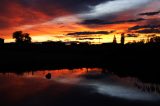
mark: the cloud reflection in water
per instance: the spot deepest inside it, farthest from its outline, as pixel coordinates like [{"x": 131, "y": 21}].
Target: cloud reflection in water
[{"x": 108, "y": 84}]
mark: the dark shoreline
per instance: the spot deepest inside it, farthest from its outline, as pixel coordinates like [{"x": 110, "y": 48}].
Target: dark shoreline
[{"x": 140, "y": 60}]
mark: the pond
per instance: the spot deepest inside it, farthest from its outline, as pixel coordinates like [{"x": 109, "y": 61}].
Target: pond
[{"x": 82, "y": 86}]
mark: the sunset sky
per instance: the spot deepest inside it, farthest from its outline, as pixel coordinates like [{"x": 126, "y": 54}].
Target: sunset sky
[{"x": 80, "y": 20}]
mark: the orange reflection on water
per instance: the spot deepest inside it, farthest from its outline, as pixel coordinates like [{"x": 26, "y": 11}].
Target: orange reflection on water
[
  {"x": 17, "y": 88},
  {"x": 63, "y": 72}
]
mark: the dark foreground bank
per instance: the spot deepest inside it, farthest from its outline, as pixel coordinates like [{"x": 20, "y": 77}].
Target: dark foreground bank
[{"x": 140, "y": 60}]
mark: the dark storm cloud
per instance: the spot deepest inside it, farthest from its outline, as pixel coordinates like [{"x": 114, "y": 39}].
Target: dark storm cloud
[
  {"x": 150, "y": 13},
  {"x": 20, "y": 12},
  {"x": 78, "y": 5},
  {"x": 146, "y": 31},
  {"x": 102, "y": 22},
  {"x": 72, "y": 5},
  {"x": 90, "y": 33}
]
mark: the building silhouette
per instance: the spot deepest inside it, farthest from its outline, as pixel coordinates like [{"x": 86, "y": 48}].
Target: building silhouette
[
  {"x": 122, "y": 38},
  {"x": 114, "y": 40},
  {"x": 1, "y": 41}
]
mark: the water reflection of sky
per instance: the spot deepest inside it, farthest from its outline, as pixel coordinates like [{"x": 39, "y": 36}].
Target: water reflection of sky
[{"x": 103, "y": 83}]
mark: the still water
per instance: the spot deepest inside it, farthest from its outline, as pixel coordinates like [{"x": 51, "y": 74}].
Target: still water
[{"x": 83, "y": 86}]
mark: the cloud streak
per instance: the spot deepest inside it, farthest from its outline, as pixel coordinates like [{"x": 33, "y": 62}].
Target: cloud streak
[
  {"x": 102, "y": 22},
  {"x": 90, "y": 33},
  {"x": 147, "y": 31},
  {"x": 150, "y": 13},
  {"x": 137, "y": 27}
]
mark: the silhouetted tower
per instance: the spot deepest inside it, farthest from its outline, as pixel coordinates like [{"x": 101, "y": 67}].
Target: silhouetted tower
[
  {"x": 114, "y": 40},
  {"x": 122, "y": 38},
  {"x": 1, "y": 41}
]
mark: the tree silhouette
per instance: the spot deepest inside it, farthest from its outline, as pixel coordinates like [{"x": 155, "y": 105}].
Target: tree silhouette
[
  {"x": 18, "y": 36},
  {"x": 21, "y": 37},
  {"x": 27, "y": 38}
]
